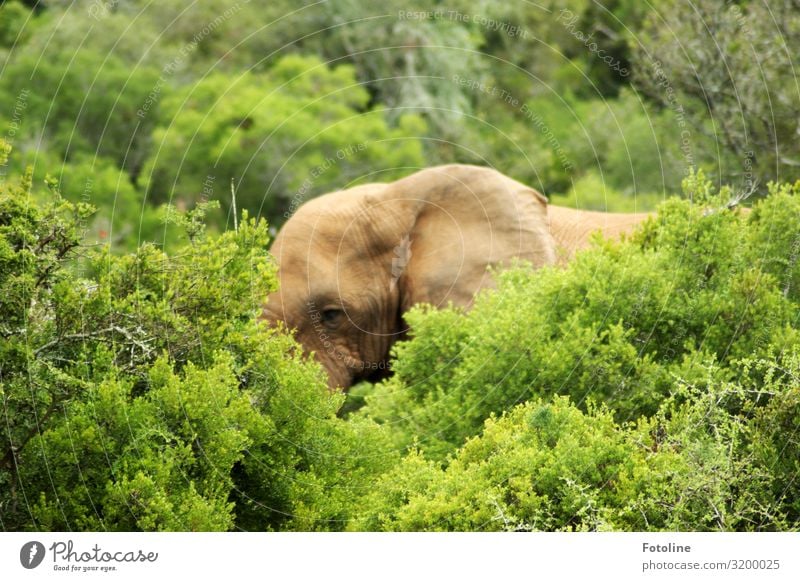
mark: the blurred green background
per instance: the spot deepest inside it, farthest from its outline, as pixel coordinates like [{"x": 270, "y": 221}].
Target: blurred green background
[{"x": 600, "y": 105}]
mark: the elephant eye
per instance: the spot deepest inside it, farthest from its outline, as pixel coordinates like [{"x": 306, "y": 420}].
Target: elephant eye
[{"x": 332, "y": 317}]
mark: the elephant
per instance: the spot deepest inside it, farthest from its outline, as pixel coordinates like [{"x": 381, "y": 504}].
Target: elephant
[
  {"x": 572, "y": 229},
  {"x": 352, "y": 262}
]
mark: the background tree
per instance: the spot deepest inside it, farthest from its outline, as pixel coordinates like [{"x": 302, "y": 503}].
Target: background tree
[
  {"x": 296, "y": 131},
  {"x": 728, "y": 67}
]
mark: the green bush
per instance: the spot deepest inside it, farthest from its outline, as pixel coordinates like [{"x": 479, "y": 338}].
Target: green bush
[
  {"x": 123, "y": 219},
  {"x": 541, "y": 467},
  {"x": 141, "y": 392},
  {"x": 775, "y": 429},
  {"x": 652, "y": 385},
  {"x": 616, "y": 326},
  {"x": 548, "y": 466}
]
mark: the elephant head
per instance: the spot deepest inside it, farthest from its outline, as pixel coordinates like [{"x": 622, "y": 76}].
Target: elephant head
[{"x": 352, "y": 262}]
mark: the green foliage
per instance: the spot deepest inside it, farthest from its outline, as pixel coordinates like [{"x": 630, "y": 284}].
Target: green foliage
[
  {"x": 775, "y": 236},
  {"x": 548, "y": 466},
  {"x": 141, "y": 392},
  {"x": 617, "y": 326},
  {"x": 650, "y": 385},
  {"x": 612, "y": 155},
  {"x": 13, "y": 17},
  {"x": 295, "y": 131},
  {"x": 161, "y": 460},
  {"x": 726, "y": 124},
  {"x": 541, "y": 467},
  {"x": 81, "y": 104},
  {"x": 122, "y": 219},
  {"x": 517, "y": 87},
  {"x": 380, "y": 40},
  {"x": 632, "y": 148},
  {"x": 591, "y": 193},
  {"x": 775, "y": 431}
]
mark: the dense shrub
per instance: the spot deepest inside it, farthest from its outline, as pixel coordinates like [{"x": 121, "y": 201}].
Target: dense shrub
[
  {"x": 746, "y": 137},
  {"x": 548, "y": 466},
  {"x": 122, "y": 219},
  {"x": 617, "y": 326},
  {"x": 775, "y": 430},
  {"x": 543, "y": 466},
  {"x": 652, "y": 385},
  {"x": 141, "y": 391}
]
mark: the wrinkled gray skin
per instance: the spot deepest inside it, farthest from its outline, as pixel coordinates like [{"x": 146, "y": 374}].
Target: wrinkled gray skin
[{"x": 352, "y": 262}]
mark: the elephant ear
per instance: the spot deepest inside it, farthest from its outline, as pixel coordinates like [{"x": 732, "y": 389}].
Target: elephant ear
[{"x": 439, "y": 230}]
